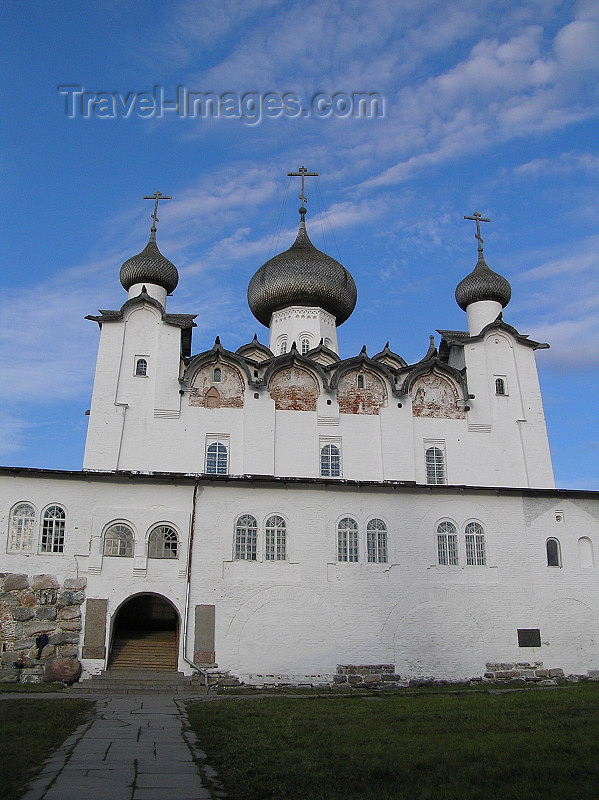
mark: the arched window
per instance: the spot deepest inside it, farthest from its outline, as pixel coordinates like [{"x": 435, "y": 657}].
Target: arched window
[
  {"x": 586, "y": 558},
  {"x": 163, "y": 542},
  {"x": 53, "y": 530},
  {"x": 246, "y": 534},
  {"x": 499, "y": 386},
  {"x": 283, "y": 347},
  {"x": 118, "y": 541},
  {"x": 305, "y": 345},
  {"x": 276, "y": 539},
  {"x": 347, "y": 540},
  {"x": 330, "y": 461},
  {"x": 435, "y": 465},
  {"x": 447, "y": 544},
  {"x": 475, "y": 545},
  {"x": 21, "y": 528},
  {"x": 141, "y": 367},
  {"x": 360, "y": 381},
  {"x": 554, "y": 554},
  {"x": 217, "y": 375},
  {"x": 216, "y": 459},
  {"x": 376, "y": 541}
]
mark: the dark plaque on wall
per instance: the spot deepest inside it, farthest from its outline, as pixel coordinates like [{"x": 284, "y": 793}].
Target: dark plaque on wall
[{"x": 529, "y": 637}]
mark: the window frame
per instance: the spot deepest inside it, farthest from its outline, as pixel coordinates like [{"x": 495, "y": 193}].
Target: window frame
[
  {"x": 437, "y": 466},
  {"x": 447, "y": 552},
  {"x": 501, "y": 384},
  {"x": 377, "y": 541},
  {"x": 245, "y": 542},
  {"x": 25, "y": 533},
  {"x": 128, "y": 551},
  {"x": 139, "y": 361},
  {"x": 348, "y": 546},
  {"x": 327, "y": 468},
  {"x": 221, "y": 466},
  {"x": 475, "y": 544},
  {"x": 275, "y": 538},
  {"x": 558, "y": 552},
  {"x": 52, "y": 534},
  {"x": 162, "y": 546}
]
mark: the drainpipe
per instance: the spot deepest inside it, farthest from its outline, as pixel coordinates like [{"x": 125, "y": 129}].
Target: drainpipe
[{"x": 201, "y": 670}]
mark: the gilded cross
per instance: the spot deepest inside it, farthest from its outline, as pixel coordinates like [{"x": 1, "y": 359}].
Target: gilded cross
[
  {"x": 478, "y": 218},
  {"x": 156, "y": 197},
  {"x": 303, "y": 174}
]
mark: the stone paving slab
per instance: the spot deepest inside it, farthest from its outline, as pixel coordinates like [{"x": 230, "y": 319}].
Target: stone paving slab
[{"x": 135, "y": 748}]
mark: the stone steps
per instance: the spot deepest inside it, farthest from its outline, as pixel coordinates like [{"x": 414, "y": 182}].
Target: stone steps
[
  {"x": 153, "y": 650},
  {"x": 140, "y": 682}
]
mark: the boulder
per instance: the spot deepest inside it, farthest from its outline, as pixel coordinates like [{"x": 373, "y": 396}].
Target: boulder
[
  {"x": 44, "y": 582},
  {"x": 75, "y": 583},
  {"x": 65, "y": 670},
  {"x": 15, "y": 581}
]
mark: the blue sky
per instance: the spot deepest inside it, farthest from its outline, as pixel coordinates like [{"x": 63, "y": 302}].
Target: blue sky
[{"x": 490, "y": 106}]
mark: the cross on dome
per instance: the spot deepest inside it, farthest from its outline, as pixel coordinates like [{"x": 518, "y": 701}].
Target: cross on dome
[
  {"x": 302, "y": 173},
  {"x": 478, "y": 218},
  {"x": 156, "y": 197}
]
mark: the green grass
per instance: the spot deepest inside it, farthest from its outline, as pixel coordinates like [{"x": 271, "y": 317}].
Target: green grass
[
  {"x": 30, "y": 688},
  {"x": 527, "y": 745},
  {"x": 30, "y": 730}
]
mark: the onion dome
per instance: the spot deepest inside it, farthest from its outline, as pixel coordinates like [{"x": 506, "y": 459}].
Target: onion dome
[
  {"x": 482, "y": 284},
  {"x": 302, "y": 276},
  {"x": 150, "y": 266}
]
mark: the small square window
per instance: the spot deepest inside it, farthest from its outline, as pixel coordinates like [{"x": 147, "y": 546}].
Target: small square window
[{"x": 529, "y": 637}]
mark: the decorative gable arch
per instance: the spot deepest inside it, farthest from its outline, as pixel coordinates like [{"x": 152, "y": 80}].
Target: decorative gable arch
[{"x": 436, "y": 391}]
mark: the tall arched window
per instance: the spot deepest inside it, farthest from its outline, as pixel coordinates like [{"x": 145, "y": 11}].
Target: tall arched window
[
  {"x": 447, "y": 544},
  {"x": 276, "y": 539},
  {"x": 330, "y": 461},
  {"x": 499, "y": 386},
  {"x": 53, "y": 523},
  {"x": 554, "y": 554},
  {"x": 216, "y": 459},
  {"x": 360, "y": 381},
  {"x": 163, "y": 542},
  {"x": 435, "y": 465},
  {"x": 141, "y": 367},
  {"x": 305, "y": 345},
  {"x": 217, "y": 375},
  {"x": 246, "y": 535},
  {"x": 283, "y": 347},
  {"x": 21, "y": 528},
  {"x": 347, "y": 540},
  {"x": 475, "y": 545},
  {"x": 118, "y": 541},
  {"x": 376, "y": 541}
]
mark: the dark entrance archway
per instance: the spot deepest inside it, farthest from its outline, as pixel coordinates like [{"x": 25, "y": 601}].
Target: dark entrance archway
[{"x": 145, "y": 634}]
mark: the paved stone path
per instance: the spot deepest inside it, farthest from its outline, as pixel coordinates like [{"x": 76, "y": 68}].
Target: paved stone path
[{"x": 135, "y": 748}]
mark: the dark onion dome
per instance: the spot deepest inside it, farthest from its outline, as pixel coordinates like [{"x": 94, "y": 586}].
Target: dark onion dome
[
  {"x": 302, "y": 276},
  {"x": 482, "y": 284},
  {"x": 150, "y": 266}
]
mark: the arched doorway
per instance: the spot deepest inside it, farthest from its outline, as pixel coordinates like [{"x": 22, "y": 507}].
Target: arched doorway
[{"x": 145, "y": 634}]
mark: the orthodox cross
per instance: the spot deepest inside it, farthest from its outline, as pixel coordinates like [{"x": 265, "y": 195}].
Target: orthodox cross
[
  {"x": 478, "y": 218},
  {"x": 302, "y": 173},
  {"x": 156, "y": 197}
]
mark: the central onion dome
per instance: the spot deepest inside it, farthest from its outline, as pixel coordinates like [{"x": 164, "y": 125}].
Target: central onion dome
[
  {"x": 482, "y": 284},
  {"x": 150, "y": 266},
  {"x": 302, "y": 276}
]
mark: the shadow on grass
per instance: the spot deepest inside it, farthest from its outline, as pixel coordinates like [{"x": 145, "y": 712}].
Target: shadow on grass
[{"x": 527, "y": 745}]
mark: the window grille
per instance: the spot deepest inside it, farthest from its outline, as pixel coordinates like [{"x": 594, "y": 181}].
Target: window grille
[
  {"x": 217, "y": 375},
  {"x": 447, "y": 544},
  {"x": 275, "y": 541},
  {"x": 163, "y": 542},
  {"x": 118, "y": 541},
  {"x": 216, "y": 459},
  {"x": 435, "y": 465},
  {"x": 21, "y": 528},
  {"x": 347, "y": 540},
  {"x": 283, "y": 348},
  {"x": 330, "y": 461},
  {"x": 360, "y": 381},
  {"x": 246, "y": 535},
  {"x": 305, "y": 345},
  {"x": 499, "y": 386},
  {"x": 475, "y": 545},
  {"x": 53, "y": 530},
  {"x": 376, "y": 541},
  {"x": 141, "y": 368}
]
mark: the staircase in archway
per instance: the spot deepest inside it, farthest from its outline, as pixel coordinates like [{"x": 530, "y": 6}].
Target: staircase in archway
[{"x": 144, "y": 649}]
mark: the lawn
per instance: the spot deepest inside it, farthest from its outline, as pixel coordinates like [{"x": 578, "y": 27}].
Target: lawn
[
  {"x": 525, "y": 745},
  {"x": 30, "y": 730}
]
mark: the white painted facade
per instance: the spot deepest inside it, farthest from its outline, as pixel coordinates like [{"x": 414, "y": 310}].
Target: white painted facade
[{"x": 453, "y": 446}]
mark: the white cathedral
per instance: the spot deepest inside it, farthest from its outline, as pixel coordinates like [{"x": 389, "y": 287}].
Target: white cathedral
[{"x": 281, "y": 515}]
